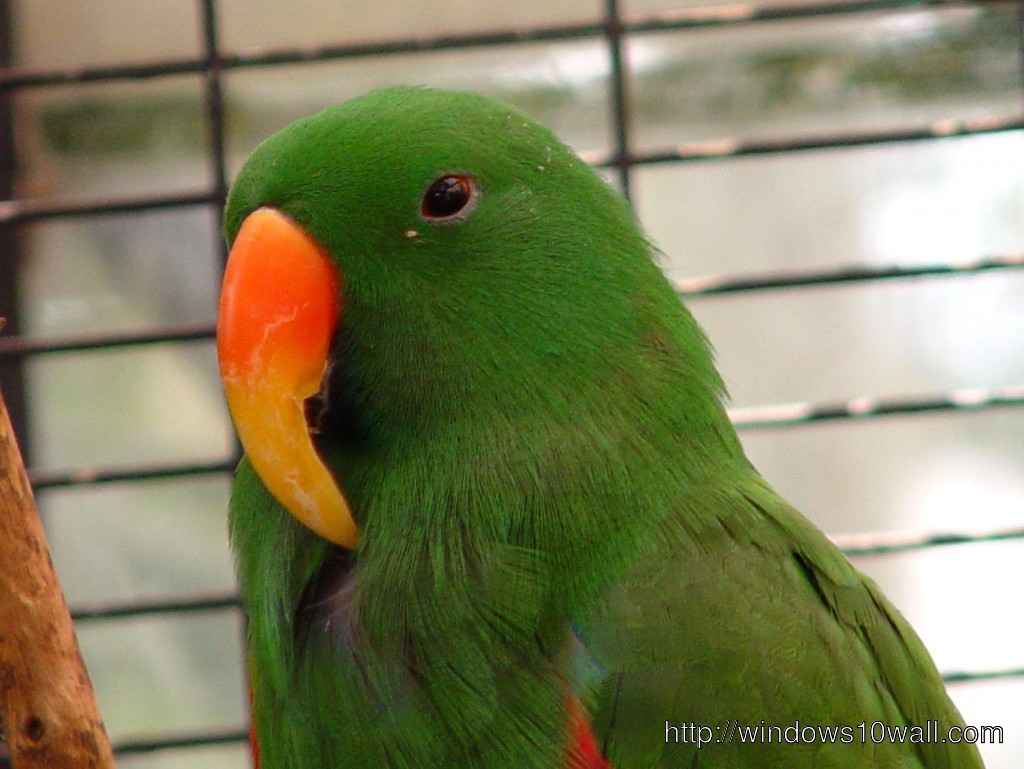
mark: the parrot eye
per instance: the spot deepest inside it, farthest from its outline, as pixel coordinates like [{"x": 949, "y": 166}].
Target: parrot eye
[{"x": 450, "y": 198}]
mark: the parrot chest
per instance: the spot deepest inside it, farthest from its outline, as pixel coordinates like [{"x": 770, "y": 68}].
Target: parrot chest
[{"x": 371, "y": 686}]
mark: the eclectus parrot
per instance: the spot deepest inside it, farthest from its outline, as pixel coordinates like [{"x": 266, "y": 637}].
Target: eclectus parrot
[{"x": 492, "y": 512}]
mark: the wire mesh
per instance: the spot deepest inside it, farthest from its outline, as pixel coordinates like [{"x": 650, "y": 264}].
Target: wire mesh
[{"x": 622, "y": 160}]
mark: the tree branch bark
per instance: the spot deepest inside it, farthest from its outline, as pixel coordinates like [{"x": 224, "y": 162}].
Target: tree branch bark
[{"x": 47, "y": 705}]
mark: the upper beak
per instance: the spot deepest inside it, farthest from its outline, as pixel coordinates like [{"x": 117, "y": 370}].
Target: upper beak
[{"x": 279, "y": 306}]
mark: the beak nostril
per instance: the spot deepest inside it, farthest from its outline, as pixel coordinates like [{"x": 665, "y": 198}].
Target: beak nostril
[
  {"x": 317, "y": 407},
  {"x": 314, "y": 407}
]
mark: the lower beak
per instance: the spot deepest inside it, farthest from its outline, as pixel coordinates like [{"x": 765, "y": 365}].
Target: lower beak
[{"x": 279, "y": 306}]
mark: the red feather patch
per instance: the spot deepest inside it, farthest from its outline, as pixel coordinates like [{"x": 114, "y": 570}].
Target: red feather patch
[
  {"x": 253, "y": 744},
  {"x": 584, "y": 753},
  {"x": 255, "y": 748}
]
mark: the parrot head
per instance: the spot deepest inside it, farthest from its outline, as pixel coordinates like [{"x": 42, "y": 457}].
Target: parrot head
[{"x": 416, "y": 261}]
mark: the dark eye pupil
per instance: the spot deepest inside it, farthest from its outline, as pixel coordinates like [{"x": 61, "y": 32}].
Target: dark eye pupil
[{"x": 446, "y": 197}]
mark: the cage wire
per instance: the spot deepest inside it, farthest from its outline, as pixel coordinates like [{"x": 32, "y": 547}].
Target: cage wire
[{"x": 624, "y": 34}]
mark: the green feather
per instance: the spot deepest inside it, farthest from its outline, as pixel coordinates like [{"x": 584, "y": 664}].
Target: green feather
[{"x": 551, "y": 498}]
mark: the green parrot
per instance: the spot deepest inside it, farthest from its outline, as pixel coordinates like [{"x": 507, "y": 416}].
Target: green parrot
[{"x": 492, "y": 511}]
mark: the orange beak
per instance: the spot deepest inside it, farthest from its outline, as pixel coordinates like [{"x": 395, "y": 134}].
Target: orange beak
[{"x": 279, "y": 306}]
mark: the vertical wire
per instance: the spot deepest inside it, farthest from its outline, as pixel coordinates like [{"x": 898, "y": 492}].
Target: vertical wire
[
  {"x": 1020, "y": 49},
  {"x": 12, "y": 370},
  {"x": 214, "y": 102},
  {"x": 622, "y": 154}
]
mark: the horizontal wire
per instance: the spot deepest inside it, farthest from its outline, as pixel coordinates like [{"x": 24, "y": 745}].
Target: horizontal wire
[
  {"x": 750, "y": 13},
  {"x": 15, "y": 78},
  {"x": 182, "y": 741},
  {"x": 727, "y": 284},
  {"x": 18, "y": 346},
  {"x": 22, "y": 210},
  {"x": 156, "y": 606},
  {"x": 795, "y": 414},
  {"x": 959, "y": 677},
  {"x": 88, "y": 476},
  {"x": 883, "y": 543},
  {"x": 735, "y": 147},
  {"x": 694, "y": 18}
]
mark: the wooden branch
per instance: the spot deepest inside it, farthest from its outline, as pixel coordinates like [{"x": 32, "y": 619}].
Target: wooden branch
[{"x": 47, "y": 705}]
